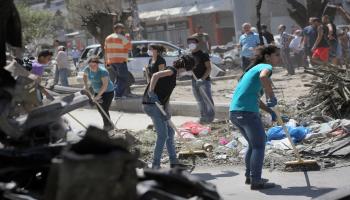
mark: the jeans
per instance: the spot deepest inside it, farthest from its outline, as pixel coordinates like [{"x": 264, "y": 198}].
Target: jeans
[
  {"x": 207, "y": 113},
  {"x": 285, "y": 53},
  {"x": 75, "y": 61},
  {"x": 120, "y": 71},
  {"x": 252, "y": 129},
  {"x": 106, "y": 98},
  {"x": 165, "y": 135},
  {"x": 62, "y": 76},
  {"x": 245, "y": 63}
]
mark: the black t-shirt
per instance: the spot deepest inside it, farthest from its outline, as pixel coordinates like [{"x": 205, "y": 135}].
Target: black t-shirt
[
  {"x": 154, "y": 67},
  {"x": 269, "y": 37},
  {"x": 199, "y": 63},
  {"x": 324, "y": 40},
  {"x": 163, "y": 88}
]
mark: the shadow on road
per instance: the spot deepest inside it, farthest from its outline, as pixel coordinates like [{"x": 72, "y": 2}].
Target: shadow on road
[
  {"x": 307, "y": 191},
  {"x": 208, "y": 176}
]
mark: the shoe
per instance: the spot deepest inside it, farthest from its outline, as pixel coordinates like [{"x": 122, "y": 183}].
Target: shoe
[
  {"x": 179, "y": 166},
  {"x": 261, "y": 186},
  {"x": 247, "y": 180},
  {"x": 119, "y": 98}
]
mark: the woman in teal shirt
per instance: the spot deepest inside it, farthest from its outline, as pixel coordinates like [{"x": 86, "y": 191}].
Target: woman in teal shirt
[
  {"x": 244, "y": 111},
  {"x": 102, "y": 87}
]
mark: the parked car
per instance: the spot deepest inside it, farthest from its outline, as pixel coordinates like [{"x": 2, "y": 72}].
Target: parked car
[{"x": 138, "y": 61}]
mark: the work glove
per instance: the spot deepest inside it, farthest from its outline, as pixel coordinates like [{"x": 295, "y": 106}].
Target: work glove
[
  {"x": 271, "y": 102},
  {"x": 199, "y": 82},
  {"x": 153, "y": 97},
  {"x": 273, "y": 116}
]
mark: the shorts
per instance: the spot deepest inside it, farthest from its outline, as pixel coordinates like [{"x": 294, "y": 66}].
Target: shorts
[{"x": 322, "y": 53}]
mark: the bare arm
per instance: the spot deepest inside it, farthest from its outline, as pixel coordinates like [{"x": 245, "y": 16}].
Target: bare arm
[
  {"x": 330, "y": 28},
  {"x": 207, "y": 71},
  {"x": 157, "y": 76},
  {"x": 266, "y": 83},
  {"x": 319, "y": 37},
  {"x": 103, "y": 87},
  {"x": 85, "y": 79}
]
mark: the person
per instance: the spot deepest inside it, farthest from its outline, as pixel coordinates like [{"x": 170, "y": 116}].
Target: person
[
  {"x": 248, "y": 41},
  {"x": 297, "y": 49},
  {"x": 201, "y": 84},
  {"x": 343, "y": 47},
  {"x": 321, "y": 48},
  {"x": 43, "y": 60},
  {"x": 102, "y": 87},
  {"x": 332, "y": 38},
  {"x": 62, "y": 66},
  {"x": 117, "y": 47},
  {"x": 38, "y": 67},
  {"x": 144, "y": 51},
  {"x": 255, "y": 30},
  {"x": 285, "y": 51},
  {"x": 267, "y": 34},
  {"x": 75, "y": 55},
  {"x": 156, "y": 62},
  {"x": 244, "y": 111},
  {"x": 159, "y": 90},
  {"x": 204, "y": 40},
  {"x": 309, "y": 38}
]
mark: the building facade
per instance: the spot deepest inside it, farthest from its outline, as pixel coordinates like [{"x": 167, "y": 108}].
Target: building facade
[{"x": 174, "y": 21}]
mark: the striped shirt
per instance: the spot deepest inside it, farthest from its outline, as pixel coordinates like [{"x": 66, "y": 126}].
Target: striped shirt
[{"x": 117, "y": 48}]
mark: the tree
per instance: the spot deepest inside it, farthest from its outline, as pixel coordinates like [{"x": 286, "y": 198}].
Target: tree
[
  {"x": 36, "y": 24},
  {"x": 301, "y": 13},
  {"x": 98, "y": 17}
]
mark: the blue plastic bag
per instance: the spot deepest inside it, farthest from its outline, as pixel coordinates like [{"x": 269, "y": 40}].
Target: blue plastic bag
[{"x": 297, "y": 133}]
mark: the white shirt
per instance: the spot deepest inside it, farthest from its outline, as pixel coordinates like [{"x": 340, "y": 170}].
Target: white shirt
[{"x": 295, "y": 44}]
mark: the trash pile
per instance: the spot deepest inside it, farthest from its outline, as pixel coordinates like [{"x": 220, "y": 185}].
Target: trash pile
[
  {"x": 329, "y": 143},
  {"x": 329, "y": 94}
]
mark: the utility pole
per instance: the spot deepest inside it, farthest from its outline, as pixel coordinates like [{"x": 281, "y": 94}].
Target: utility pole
[{"x": 136, "y": 22}]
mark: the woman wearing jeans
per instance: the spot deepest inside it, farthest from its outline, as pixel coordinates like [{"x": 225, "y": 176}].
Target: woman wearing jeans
[
  {"x": 102, "y": 87},
  {"x": 244, "y": 112},
  {"x": 158, "y": 90}
]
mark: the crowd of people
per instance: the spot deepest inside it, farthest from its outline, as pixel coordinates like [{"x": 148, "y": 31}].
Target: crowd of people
[{"x": 319, "y": 43}]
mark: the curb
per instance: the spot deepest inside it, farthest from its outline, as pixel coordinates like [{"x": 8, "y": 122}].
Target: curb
[{"x": 179, "y": 108}]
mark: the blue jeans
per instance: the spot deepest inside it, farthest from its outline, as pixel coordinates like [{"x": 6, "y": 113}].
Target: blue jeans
[
  {"x": 165, "y": 135},
  {"x": 62, "y": 76},
  {"x": 121, "y": 78},
  {"x": 245, "y": 63},
  {"x": 252, "y": 129},
  {"x": 207, "y": 113}
]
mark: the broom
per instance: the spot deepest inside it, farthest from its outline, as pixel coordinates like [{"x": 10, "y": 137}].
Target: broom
[
  {"x": 300, "y": 164},
  {"x": 189, "y": 153}
]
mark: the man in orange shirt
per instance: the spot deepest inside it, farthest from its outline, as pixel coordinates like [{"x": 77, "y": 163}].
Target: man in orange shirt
[{"x": 117, "y": 48}]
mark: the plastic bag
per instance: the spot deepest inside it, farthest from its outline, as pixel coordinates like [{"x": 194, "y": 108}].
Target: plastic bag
[
  {"x": 297, "y": 133},
  {"x": 195, "y": 128}
]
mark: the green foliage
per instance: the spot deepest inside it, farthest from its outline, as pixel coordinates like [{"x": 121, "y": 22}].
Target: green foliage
[{"x": 36, "y": 24}]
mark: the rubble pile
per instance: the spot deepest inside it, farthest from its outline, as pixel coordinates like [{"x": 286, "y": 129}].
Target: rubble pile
[
  {"x": 329, "y": 93},
  {"x": 329, "y": 143}
]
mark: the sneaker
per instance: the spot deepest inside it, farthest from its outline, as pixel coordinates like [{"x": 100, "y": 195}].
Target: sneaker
[
  {"x": 248, "y": 180},
  {"x": 261, "y": 186}
]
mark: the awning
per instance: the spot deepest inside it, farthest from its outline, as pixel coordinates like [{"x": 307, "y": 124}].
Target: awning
[{"x": 203, "y": 8}]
